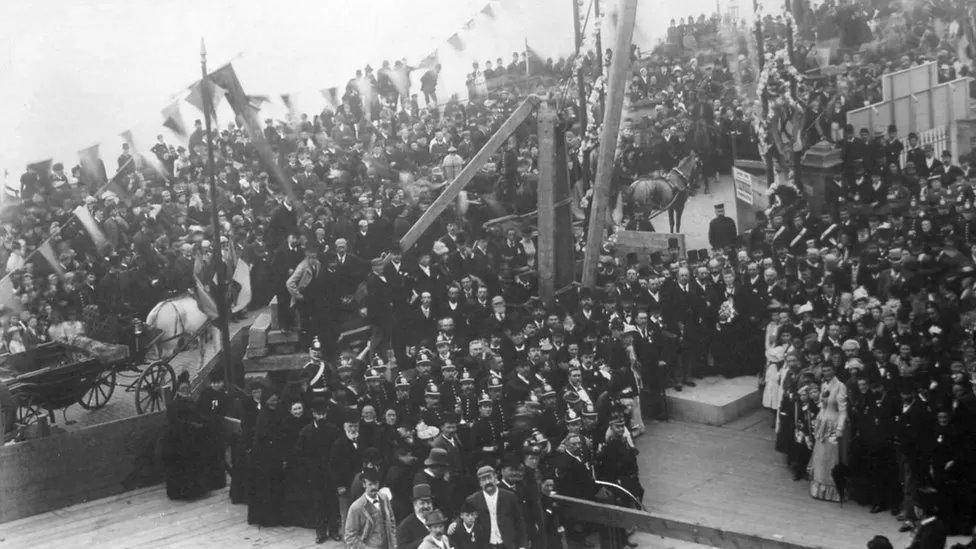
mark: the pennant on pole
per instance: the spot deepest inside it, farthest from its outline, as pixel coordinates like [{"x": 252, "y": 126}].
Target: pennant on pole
[
  {"x": 331, "y": 96},
  {"x": 46, "y": 250},
  {"x": 91, "y": 227},
  {"x": 196, "y": 96},
  {"x": 92, "y": 168},
  {"x": 469, "y": 25},
  {"x": 43, "y": 169},
  {"x": 173, "y": 120},
  {"x": 455, "y": 42},
  {"x": 488, "y": 11},
  {"x": 226, "y": 78},
  {"x": 534, "y": 62},
  {"x": 8, "y": 297}
]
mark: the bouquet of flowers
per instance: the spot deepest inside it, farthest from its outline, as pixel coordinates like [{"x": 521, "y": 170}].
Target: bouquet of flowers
[{"x": 726, "y": 312}]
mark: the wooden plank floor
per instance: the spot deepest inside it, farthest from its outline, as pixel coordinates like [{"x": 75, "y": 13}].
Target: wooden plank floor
[
  {"x": 146, "y": 518},
  {"x": 728, "y": 477},
  {"x": 731, "y": 477}
]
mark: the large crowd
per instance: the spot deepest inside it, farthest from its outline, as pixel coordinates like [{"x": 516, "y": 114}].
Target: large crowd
[{"x": 474, "y": 402}]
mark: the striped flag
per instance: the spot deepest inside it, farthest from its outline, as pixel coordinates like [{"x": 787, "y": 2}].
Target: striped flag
[{"x": 91, "y": 227}]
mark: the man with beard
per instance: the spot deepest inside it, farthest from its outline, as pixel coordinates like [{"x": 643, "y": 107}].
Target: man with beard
[
  {"x": 315, "y": 441},
  {"x": 412, "y": 530},
  {"x": 346, "y": 460}
]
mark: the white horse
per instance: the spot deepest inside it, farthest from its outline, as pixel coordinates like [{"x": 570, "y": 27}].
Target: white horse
[{"x": 176, "y": 319}]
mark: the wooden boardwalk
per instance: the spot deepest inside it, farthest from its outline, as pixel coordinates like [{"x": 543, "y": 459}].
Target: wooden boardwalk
[
  {"x": 146, "y": 518},
  {"x": 727, "y": 477},
  {"x": 730, "y": 477}
]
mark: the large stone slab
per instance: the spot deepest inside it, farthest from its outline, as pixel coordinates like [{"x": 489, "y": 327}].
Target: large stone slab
[{"x": 715, "y": 401}]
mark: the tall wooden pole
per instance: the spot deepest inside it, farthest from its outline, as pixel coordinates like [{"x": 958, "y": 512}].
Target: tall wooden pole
[
  {"x": 600, "y": 55},
  {"x": 218, "y": 255},
  {"x": 580, "y": 88},
  {"x": 791, "y": 52},
  {"x": 618, "y": 76},
  {"x": 761, "y": 53}
]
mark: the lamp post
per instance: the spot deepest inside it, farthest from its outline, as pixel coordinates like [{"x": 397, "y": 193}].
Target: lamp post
[{"x": 218, "y": 257}]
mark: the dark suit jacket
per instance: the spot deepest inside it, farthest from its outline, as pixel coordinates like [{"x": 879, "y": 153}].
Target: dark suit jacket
[
  {"x": 410, "y": 532},
  {"x": 511, "y": 523},
  {"x": 379, "y": 298},
  {"x": 930, "y": 536}
]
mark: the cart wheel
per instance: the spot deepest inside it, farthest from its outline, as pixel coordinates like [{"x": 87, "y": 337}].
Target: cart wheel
[
  {"x": 97, "y": 397},
  {"x": 29, "y": 411},
  {"x": 149, "y": 387}
]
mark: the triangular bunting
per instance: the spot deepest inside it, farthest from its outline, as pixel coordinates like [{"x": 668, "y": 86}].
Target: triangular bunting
[{"x": 173, "y": 120}]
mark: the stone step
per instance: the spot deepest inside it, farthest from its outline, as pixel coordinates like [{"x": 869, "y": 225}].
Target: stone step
[{"x": 715, "y": 400}]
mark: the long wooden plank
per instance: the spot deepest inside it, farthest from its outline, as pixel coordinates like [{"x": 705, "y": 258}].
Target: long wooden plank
[
  {"x": 546, "y": 258},
  {"x": 619, "y": 75},
  {"x": 468, "y": 172},
  {"x": 622, "y": 517}
]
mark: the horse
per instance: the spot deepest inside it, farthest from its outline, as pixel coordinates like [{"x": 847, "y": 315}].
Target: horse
[
  {"x": 669, "y": 193},
  {"x": 176, "y": 320}
]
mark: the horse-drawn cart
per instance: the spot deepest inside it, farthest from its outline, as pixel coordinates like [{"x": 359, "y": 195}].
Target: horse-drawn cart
[{"x": 54, "y": 376}]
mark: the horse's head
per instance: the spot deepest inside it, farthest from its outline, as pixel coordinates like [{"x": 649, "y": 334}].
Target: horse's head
[{"x": 690, "y": 167}]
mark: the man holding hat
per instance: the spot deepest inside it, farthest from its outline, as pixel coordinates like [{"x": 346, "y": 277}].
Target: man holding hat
[
  {"x": 500, "y": 522},
  {"x": 721, "y": 230},
  {"x": 370, "y": 523}
]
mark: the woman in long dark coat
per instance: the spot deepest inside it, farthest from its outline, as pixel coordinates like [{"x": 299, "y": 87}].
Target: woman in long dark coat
[
  {"x": 184, "y": 445},
  {"x": 296, "y": 492},
  {"x": 267, "y": 467}
]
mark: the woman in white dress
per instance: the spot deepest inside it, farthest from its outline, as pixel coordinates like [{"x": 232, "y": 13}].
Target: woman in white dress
[
  {"x": 829, "y": 431},
  {"x": 775, "y": 356}
]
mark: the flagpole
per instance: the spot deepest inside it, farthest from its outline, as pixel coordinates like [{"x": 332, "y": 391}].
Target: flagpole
[{"x": 218, "y": 256}]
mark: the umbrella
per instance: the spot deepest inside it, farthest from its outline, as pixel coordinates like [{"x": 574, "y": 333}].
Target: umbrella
[{"x": 839, "y": 473}]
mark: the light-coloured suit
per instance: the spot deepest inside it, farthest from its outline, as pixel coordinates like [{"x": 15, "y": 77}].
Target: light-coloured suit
[{"x": 365, "y": 524}]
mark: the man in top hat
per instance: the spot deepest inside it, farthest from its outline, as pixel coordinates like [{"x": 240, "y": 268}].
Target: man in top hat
[
  {"x": 721, "y": 230},
  {"x": 379, "y": 306},
  {"x": 412, "y": 530},
  {"x": 314, "y": 444},
  {"x": 370, "y": 523},
  {"x": 500, "y": 520}
]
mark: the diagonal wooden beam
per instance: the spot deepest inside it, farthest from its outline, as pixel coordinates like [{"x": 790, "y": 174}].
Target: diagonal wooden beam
[
  {"x": 470, "y": 170},
  {"x": 618, "y": 76}
]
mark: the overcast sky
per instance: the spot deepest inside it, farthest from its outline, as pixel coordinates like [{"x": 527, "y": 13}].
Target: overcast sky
[{"x": 78, "y": 72}]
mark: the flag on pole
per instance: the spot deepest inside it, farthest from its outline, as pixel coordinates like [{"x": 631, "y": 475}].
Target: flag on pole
[
  {"x": 242, "y": 276},
  {"x": 46, "y": 250},
  {"x": 469, "y": 25},
  {"x": 216, "y": 91},
  {"x": 173, "y": 120},
  {"x": 205, "y": 300},
  {"x": 93, "y": 173},
  {"x": 43, "y": 169},
  {"x": 534, "y": 62},
  {"x": 91, "y": 227},
  {"x": 488, "y": 11},
  {"x": 8, "y": 296},
  {"x": 226, "y": 79},
  {"x": 455, "y": 42},
  {"x": 331, "y": 96}
]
